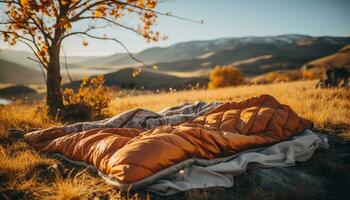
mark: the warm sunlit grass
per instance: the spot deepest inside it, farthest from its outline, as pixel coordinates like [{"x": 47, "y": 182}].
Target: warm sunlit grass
[
  {"x": 323, "y": 106},
  {"x": 23, "y": 116},
  {"x": 80, "y": 186},
  {"x": 25, "y": 173},
  {"x": 17, "y": 159},
  {"x": 20, "y": 165}
]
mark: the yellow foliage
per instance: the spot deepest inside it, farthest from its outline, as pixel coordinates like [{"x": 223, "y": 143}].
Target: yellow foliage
[
  {"x": 91, "y": 94},
  {"x": 224, "y": 77},
  {"x": 275, "y": 77},
  {"x": 24, "y": 116},
  {"x": 24, "y": 2},
  {"x": 312, "y": 74},
  {"x": 100, "y": 11}
]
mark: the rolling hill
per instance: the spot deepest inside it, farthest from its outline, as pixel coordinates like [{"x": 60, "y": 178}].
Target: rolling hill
[
  {"x": 148, "y": 79},
  {"x": 18, "y": 69},
  {"x": 258, "y": 58},
  {"x": 15, "y": 73},
  {"x": 21, "y": 58},
  {"x": 338, "y": 59}
]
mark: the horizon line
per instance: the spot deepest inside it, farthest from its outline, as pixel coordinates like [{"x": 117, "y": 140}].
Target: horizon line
[{"x": 199, "y": 40}]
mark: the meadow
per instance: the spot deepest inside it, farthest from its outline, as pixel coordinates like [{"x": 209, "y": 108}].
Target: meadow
[{"x": 24, "y": 173}]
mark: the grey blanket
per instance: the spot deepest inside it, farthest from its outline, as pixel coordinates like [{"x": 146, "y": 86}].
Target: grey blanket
[{"x": 146, "y": 119}]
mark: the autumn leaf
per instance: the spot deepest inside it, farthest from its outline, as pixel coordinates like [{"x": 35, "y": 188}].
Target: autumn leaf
[
  {"x": 151, "y": 3},
  {"x": 155, "y": 67},
  {"x": 100, "y": 11},
  {"x": 64, "y": 2},
  {"x": 85, "y": 43},
  {"x": 63, "y": 22},
  {"x": 136, "y": 72},
  {"x": 24, "y": 2}
]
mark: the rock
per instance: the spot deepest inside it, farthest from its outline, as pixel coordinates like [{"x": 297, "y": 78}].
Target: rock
[
  {"x": 16, "y": 133},
  {"x": 335, "y": 77}
]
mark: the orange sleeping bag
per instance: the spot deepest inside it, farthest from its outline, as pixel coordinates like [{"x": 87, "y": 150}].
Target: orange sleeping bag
[{"x": 131, "y": 155}]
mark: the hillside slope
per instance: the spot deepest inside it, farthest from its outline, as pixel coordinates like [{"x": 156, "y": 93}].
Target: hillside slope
[
  {"x": 256, "y": 59},
  {"x": 338, "y": 59},
  {"x": 148, "y": 79},
  {"x": 15, "y": 73},
  {"x": 193, "y": 50},
  {"x": 21, "y": 58}
]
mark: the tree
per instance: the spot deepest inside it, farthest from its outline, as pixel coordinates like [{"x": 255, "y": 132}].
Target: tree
[
  {"x": 42, "y": 25},
  {"x": 224, "y": 77}
]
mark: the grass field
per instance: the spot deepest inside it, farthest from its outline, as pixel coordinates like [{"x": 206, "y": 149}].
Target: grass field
[{"x": 26, "y": 174}]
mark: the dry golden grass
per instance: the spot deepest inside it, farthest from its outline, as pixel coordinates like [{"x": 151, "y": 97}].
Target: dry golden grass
[
  {"x": 323, "y": 106},
  {"x": 24, "y": 172},
  {"x": 79, "y": 186},
  {"x": 24, "y": 116},
  {"x": 14, "y": 161}
]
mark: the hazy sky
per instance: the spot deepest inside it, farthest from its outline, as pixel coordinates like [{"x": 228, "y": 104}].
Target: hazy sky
[{"x": 230, "y": 18}]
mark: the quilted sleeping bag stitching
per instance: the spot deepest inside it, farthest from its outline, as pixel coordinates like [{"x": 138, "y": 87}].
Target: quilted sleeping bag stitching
[{"x": 130, "y": 155}]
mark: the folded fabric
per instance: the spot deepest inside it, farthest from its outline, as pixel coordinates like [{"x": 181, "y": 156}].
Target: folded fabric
[
  {"x": 131, "y": 157},
  {"x": 199, "y": 173},
  {"x": 146, "y": 119}
]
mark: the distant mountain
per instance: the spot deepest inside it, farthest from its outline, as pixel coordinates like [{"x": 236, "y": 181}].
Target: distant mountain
[
  {"x": 195, "y": 50},
  {"x": 265, "y": 55},
  {"x": 101, "y": 62}
]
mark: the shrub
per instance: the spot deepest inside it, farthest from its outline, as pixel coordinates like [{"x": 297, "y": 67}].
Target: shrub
[
  {"x": 91, "y": 100},
  {"x": 313, "y": 74},
  {"x": 224, "y": 77},
  {"x": 276, "y": 77}
]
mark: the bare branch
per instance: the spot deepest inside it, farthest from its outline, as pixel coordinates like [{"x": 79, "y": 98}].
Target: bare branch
[
  {"x": 77, "y": 17},
  {"x": 77, "y": 6},
  {"x": 41, "y": 28},
  {"x": 161, "y": 13},
  {"x": 18, "y": 22},
  {"x": 17, "y": 35},
  {"x": 87, "y": 8},
  {"x": 115, "y": 40},
  {"x": 112, "y": 22},
  {"x": 41, "y": 62},
  {"x": 65, "y": 62},
  {"x": 42, "y": 70},
  {"x": 32, "y": 41}
]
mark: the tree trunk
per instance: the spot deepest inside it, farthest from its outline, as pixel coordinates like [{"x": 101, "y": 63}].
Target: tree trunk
[{"x": 53, "y": 85}]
